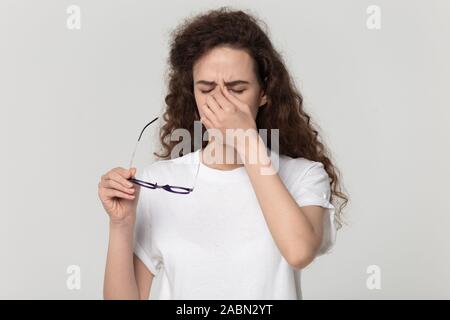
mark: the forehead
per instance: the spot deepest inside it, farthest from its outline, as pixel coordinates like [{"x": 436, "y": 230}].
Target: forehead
[{"x": 224, "y": 63}]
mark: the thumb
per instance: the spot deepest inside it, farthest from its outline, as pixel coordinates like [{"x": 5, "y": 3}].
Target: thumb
[{"x": 234, "y": 100}]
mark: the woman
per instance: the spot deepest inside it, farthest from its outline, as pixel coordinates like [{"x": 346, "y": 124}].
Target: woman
[{"x": 240, "y": 234}]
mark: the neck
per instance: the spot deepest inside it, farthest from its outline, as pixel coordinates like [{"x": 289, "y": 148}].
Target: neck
[{"x": 220, "y": 156}]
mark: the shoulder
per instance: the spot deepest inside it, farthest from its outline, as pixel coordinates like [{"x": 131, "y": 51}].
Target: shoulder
[
  {"x": 295, "y": 169},
  {"x": 307, "y": 180}
]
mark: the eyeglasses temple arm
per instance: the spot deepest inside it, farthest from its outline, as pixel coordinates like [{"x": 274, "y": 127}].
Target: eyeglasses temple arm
[
  {"x": 132, "y": 155},
  {"x": 137, "y": 142}
]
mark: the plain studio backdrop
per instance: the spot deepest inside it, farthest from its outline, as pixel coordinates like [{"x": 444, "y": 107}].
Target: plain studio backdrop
[{"x": 73, "y": 101}]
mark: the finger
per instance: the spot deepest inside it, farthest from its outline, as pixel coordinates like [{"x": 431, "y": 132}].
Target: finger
[
  {"x": 112, "y": 184},
  {"x": 224, "y": 102},
  {"x": 214, "y": 106},
  {"x": 126, "y": 173},
  {"x": 206, "y": 122},
  {"x": 210, "y": 115},
  {"x": 112, "y": 193},
  {"x": 120, "y": 179},
  {"x": 234, "y": 100}
]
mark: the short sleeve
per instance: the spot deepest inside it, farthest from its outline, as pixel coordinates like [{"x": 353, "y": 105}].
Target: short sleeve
[
  {"x": 313, "y": 188},
  {"x": 143, "y": 236}
]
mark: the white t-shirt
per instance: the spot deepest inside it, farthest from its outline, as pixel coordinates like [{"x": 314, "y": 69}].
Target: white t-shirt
[{"x": 214, "y": 243}]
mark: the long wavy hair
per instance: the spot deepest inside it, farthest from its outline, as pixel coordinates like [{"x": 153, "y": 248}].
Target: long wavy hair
[{"x": 298, "y": 136}]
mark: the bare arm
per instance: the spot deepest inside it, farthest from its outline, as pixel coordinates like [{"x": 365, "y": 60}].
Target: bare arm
[
  {"x": 296, "y": 231},
  {"x": 126, "y": 276}
]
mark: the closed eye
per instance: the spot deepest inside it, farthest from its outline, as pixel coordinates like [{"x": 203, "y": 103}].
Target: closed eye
[{"x": 235, "y": 91}]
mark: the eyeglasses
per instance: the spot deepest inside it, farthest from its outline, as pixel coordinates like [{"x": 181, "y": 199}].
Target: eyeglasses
[{"x": 150, "y": 185}]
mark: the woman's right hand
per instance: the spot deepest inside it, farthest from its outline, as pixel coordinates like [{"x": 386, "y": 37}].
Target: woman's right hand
[{"x": 118, "y": 195}]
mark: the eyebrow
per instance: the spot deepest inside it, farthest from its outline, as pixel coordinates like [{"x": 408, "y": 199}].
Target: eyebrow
[{"x": 230, "y": 84}]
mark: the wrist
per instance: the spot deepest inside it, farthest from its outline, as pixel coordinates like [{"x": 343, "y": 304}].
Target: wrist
[
  {"x": 248, "y": 146},
  {"x": 123, "y": 224}
]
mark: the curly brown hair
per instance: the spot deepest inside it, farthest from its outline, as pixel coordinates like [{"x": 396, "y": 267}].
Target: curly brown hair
[{"x": 298, "y": 137}]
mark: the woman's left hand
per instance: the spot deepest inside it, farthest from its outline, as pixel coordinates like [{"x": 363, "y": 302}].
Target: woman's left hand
[{"x": 226, "y": 113}]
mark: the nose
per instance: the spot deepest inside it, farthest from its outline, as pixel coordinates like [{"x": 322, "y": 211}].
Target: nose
[
  {"x": 215, "y": 90},
  {"x": 217, "y": 87}
]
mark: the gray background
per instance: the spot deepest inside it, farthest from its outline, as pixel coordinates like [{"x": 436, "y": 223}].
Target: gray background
[{"x": 72, "y": 102}]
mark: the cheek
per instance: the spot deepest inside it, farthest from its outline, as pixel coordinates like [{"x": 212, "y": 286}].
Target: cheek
[
  {"x": 200, "y": 112},
  {"x": 199, "y": 106},
  {"x": 200, "y": 100},
  {"x": 249, "y": 98}
]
